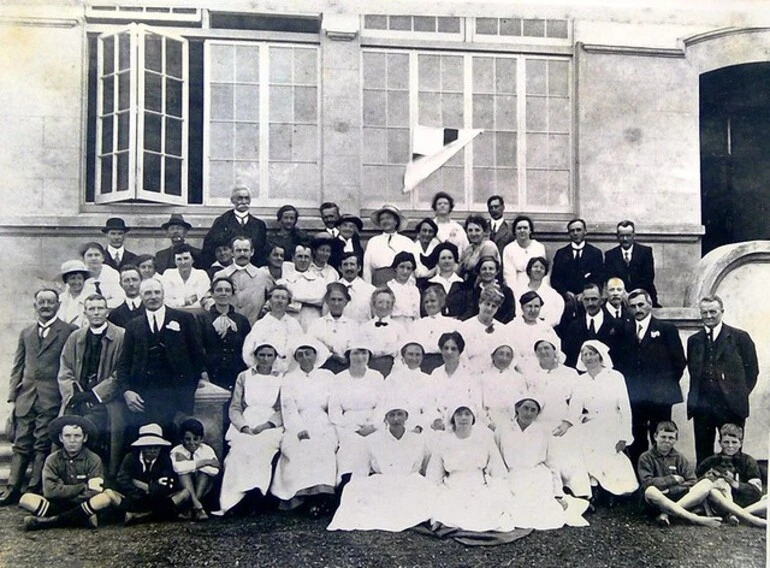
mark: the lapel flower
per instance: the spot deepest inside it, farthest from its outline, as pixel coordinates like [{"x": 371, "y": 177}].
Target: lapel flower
[
  {"x": 654, "y": 334},
  {"x": 173, "y": 325}
]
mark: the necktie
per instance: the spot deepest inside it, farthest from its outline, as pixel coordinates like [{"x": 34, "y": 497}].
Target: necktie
[
  {"x": 380, "y": 323},
  {"x": 591, "y": 327},
  {"x": 153, "y": 324},
  {"x": 627, "y": 257},
  {"x": 98, "y": 287},
  {"x": 490, "y": 328},
  {"x": 390, "y": 237},
  {"x": 42, "y": 332},
  {"x": 639, "y": 332},
  {"x": 711, "y": 335}
]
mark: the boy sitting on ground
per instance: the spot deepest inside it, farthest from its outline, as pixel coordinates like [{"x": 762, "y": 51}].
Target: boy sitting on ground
[
  {"x": 736, "y": 484},
  {"x": 196, "y": 464},
  {"x": 669, "y": 480},
  {"x": 148, "y": 481},
  {"x": 72, "y": 480}
]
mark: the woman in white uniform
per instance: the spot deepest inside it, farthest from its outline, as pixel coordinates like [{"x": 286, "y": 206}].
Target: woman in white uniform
[{"x": 516, "y": 254}]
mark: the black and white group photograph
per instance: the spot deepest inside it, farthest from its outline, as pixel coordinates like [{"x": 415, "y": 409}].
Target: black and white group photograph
[{"x": 378, "y": 283}]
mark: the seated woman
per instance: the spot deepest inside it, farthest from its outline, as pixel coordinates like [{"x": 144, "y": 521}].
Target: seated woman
[
  {"x": 449, "y": 231},
  {"x": 406, "y": 307},
  {"x": 553, "y": 303},
  {"x": 467, "y": 466},
  {"x": 307, "y": 469},
  {"x": 501, "y": 384},
  {"x": 431, "y": 326},
  {"x": 352, "y": 403},
  {"x": 535, "y": 485},
  {"x": 307, "y": 287},
  {"x": 383, "y": 334},
  {"x": 553, "y": 384},
  {"x": 525, "y": 329},
  {"x": 334, "y": 330},
  {"x": 516, "y": 254},
  {"x": 445, "y": 257},
  {"x": 223, "y": 333},
  {"x": 424, "y": 244},
  {"x": 489, "y": 273},
  {"x": 480, "y": 246},
  {"x": 454, "y": 379},
  {"x": 409, "y": 383},
  {"x": 605, "y": 428},
  {"x": 71, "y": 301},
  {"x": 288, "y": 236},
  {"x": 393, "y": 495},
  {"x": 484, "y": 330},
  {"x": 184, "y": 286},
  {"x": 255, "y": 432}
]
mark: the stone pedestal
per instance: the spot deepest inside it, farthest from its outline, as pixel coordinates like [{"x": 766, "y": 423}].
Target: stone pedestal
[{"x": 210, "y": 401}]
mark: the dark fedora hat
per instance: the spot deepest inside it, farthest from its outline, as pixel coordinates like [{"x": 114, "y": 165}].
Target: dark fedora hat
[
  {"x": 115, "y": 224},
  {"x": 176, "y": 219},
  {"x": 57, "y": 424}
]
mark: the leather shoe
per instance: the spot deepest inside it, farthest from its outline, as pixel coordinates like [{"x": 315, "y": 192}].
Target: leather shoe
[
  {"x": 36, "y": 523},
  {"x": 10, "y": 497}
]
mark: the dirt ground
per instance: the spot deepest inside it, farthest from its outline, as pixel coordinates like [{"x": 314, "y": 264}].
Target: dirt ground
[{"x": 616, "y": 538}]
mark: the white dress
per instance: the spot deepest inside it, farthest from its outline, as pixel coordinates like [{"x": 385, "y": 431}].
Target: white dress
[
  {"x": 307, "y": 289},
  {"x": 427, "y": 331},
  {"x": 334, "y": 333},
  {"x": 606, "y": 419},
  {"x": 523, "y": 337},
  {"x": 280, "y": 333},
  {"x": 515, "y": 259},
  {"x": 359, "y": 308},
  {"x": 553, "y": 304},
  {"x": 406, "y": 308},
  {"x": 352, "y": 404},
  {"x": 531, "y": 479},
  {"x": 470, "y": 474},
  {"x": 380, "y": 251},
  {"x": 414, "y": 389},
  {"x": 423, "y": 271},
  {"x": 500, "y": 391},
  {"x": 249, "y": 465},
  {"x": 176, "y": 289},
  {"x": 395, "y": 496},
  {"x": 463, "y": 386},
  {"x": 308, "y": 463},
  {"x": 72, "y": 310},
  {"x": 482, "y": 340},
  {"x": 109, "y": 286},
  {"x": 452, "y": 232}
]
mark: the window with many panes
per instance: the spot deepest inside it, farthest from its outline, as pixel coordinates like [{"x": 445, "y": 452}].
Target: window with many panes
[{"x": 522, "y": 101}]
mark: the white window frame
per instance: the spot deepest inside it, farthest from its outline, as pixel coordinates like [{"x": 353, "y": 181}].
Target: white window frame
[
  {"x": 414, "y": 201},
  {"x": 263, "y": 195},
  {"x": 135, "y": 190}
]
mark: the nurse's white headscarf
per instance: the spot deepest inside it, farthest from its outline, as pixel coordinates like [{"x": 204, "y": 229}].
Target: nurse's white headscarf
[{"x": 601, "y": 349}]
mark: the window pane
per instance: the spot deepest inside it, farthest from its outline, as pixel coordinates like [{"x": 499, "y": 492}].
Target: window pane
[
  {"x": 153, "y": 87},
  {"x": 429, "y": 72},
  {"x": 374, "y": 108},
  {"x": 153, "y": 52},
  {"x": 221, "y": 63},
  {"x": 449, "y": 25},
  {"x": 373, "y": 181},
  {"x": 557, "y": 28},
  {"x": 152, "y": 132},
  {"x": 505, "y": 112},
  {"x": 123, "y": 161},
  {"x": 306, "y": 105},
  {"x": 398, "y": 71},
  {"x": 374, "y": 146},
  {"x": 534, "y": 28},
  {"x": 123, "y": 131},
  {"x": 174, "y": 64},
  {"x": 124, "y": 90},
  {"x": 452, "y": 73},
  {"x": 107, "y": 132},
  {"x": 305, "y": 143},
  {"x": 247, "y": 102},
  {"x": 510, "y": 27},
  {"x": 452, "y": 110},
  {"x": 483, "y": 111},
  {"x": 536, "y": 114},
  {"x": 124, "y": 53},
  {"x": 483, "y": 74},
  {"x": 398, "y": 108},
  {"x": 537, "y": 151},
  {"x": 221, "y": 102},
  {"x": 505, "y": 151},
  {"x": 294, "y": 181},
  {"x": 558, "y": 151},
  {"x": 398, "y": 146},
  {"x": 108, "y": 94},
  {"x": 280, "y": 142},
  {"x": 484, "y": 184},
  {"x": 108, "y": 54},
  {"x": 374, "y": 70},
  {"x": 558, "y": 115},
  {"x": 246, "y": 141},
  {"x": 558, "y": 78},
  {"x": 247, "y": 63},
  {"x": 105, "y": 185},
  {"x": 508, "y": 185},
  {"x": 505, "y": 79},
  {"x": 536, "y": 76},
  {"x": 174, "y": 102},
  {"x": 483, "y": 149},
  {"x": 401, "y": 23},
  {"x": 151, "y": 172},
  {"x": 305, "y": 67},
  {"x": 424, "y": 24},
  {"x": 172, "y": 177},
  {"x": 280, "y": 65},
  {"x": 281, "y": 104},
  {"x": 429, "y": 110},
  {"x": 376, "y": 22},
  {"x": 486, "y": 26},
  {"x": 221, "y": 178},
  {"x": 221, "y": 140},
  {"x": 246, "y": 173},
  {"x": 173, "y": 136}
]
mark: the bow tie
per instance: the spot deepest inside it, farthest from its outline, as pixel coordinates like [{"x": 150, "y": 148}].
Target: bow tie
[{"x": 380, "y": 324}]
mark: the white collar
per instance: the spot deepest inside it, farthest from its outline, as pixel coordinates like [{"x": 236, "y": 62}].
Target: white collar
[
  {"x": 629, "y": 250},
  {"x": 113, "y": 251},
  {"x": 717, "y": 329},
  {"x": 159, "y": 315},
  {"x": 581, "y": 246},
  {"x": 133, "y": 303},
  {"x": 644, "y": 324},
  {"x": 241, "y": 215},
  {"x": 598, "y": 319},
  {"x": 47, "y": 324},
  {"x": 98, "y": 330}
]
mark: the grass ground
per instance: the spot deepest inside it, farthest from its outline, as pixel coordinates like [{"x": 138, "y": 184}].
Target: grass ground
[{"x": 619, "y": 537}]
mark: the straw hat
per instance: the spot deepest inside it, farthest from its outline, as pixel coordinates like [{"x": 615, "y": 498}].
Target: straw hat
[
  {"x": 150, "y": 435},
  {"x": 395, "y": 211}
]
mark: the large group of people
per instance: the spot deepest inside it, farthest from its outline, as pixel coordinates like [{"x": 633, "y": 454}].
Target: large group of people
[{"x": 460, "y": 380}]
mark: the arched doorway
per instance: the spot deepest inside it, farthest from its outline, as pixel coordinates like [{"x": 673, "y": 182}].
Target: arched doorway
[{"x": 735, "y": 154}]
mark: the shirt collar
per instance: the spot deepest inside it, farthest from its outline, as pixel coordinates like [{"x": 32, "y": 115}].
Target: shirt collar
[
  {"x": 598, "y": 320},
  {"x": 241, "y": 215},
  {"x": 47, "y": 324},
  {"x": 98, "y": 330},
  {"x": 645, "y": 323},
  {"x": 134, "y": 303},
  {"x": 113, "y": 251},
  {"x": 159, "y": 315},
  {"x": 581, "y": 246},
  {"x": 717, "y": 330}
]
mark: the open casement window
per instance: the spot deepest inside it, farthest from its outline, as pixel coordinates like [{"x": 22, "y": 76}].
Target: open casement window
[{"x": 141, "y": 130}]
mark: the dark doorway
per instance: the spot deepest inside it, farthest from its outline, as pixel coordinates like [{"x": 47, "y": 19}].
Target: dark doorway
[{"x": 735, "y": 154}]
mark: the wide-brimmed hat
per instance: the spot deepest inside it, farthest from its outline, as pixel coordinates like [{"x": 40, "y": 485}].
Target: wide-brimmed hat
[
  {"x": 57, "y": 424},
  {"x": 74, "y": 267},
  {"x": 348, "y": 218},
  {"x": 150, "y": 435},
  {"x": 176, "y": 219},
  {"x": 115, "y": 224},
  {"x": 395, "y": 211}
]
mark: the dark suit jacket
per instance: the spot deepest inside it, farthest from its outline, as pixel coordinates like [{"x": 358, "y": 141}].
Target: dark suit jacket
[
  {"x": 36, "y": 368},
  {"x": 121, "y": 315},
  {"x": 225, "y": 227},
  {"x": 338, "y": 246},
  {"x": 640, "y": 273},
  {"x": 184, "y": 354},
  {"x": 165, "y": 259},
  {"x": 656, "y": 365},
  {"x": 502, "y": 237},
  {"x": 570, "y": 274},
  {"x": 127, "y": 258},
  {"x": 618, "y": 335},
  {"x": 735, "y": 363},
  {"x": 131, "y": 468}
]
